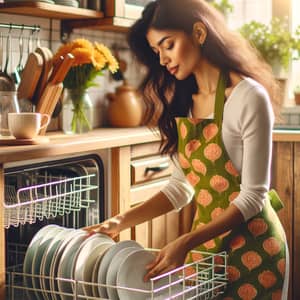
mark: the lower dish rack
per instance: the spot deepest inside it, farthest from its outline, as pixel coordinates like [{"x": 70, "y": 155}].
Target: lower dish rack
[{"x": 205, "y": 278}]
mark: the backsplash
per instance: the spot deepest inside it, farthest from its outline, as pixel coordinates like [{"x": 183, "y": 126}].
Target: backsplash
[{"x": 290, "y": 118}]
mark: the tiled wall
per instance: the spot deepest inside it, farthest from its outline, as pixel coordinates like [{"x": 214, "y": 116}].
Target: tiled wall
[{"x": 49, "y": 36}]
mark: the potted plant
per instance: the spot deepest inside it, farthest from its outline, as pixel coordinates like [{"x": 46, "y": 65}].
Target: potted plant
[
  {"x": 297, "y": 95},
  {"x": 274, "y": 41}
]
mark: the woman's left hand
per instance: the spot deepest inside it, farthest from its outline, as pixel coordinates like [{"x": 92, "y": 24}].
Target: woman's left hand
[{"x": 170, "y": 257}]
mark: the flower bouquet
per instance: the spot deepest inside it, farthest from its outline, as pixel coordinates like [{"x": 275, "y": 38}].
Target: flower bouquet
[{"x": 90, "y": 60}]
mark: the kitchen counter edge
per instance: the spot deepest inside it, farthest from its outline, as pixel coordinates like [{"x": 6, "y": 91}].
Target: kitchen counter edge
[
  {"x": 101, "y": 138},
  {"x": 62, "y": 144}
]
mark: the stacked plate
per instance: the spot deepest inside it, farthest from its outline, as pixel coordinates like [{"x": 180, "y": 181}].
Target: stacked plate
[
  {"x": 58, "y": 255},
  {"x": 73, "y": 3},
  {"x": 60, "y": 261}
]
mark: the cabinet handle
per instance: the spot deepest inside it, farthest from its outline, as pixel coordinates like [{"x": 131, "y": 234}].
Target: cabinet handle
[{"x": 157, "y": 169}]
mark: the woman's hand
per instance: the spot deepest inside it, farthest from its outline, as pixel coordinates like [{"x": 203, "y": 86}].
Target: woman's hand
[
  {"x": 111, "y": 227},
  {"x": 169, "y": 258}
]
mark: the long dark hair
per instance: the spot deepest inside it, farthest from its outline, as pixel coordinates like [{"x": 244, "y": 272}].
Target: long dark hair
[{"x": 164, "y": 95}]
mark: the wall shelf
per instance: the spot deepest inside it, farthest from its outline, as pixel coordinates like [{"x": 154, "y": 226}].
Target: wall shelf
[
  {"x": 52, "y": 11},
  {"x": 107, "y": 24}
]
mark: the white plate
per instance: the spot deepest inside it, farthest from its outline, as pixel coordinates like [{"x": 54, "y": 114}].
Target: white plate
[
  {"x": 107, "y": 258},
  {"x": 86, "y": 258},
  {"x": 38, "y": 255},
  {"x": 131, "y": 274},
  {"x": 66, "y": 262},
  {"x": 94, "y": 279},
  {"x": 56, "y": 261},
  {"x": 113, "y": 268},
  {"x": 48, "y": 256},
  {"x": 27, "y": 265}
]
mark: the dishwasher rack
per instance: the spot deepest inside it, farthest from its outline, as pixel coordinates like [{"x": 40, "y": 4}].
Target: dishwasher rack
[
  {"x": 46, "y": 196},
  {"x": 203, "y": 279}
]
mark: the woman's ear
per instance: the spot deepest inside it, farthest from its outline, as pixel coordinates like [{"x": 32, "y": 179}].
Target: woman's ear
[{"x": 199, "y": 32}]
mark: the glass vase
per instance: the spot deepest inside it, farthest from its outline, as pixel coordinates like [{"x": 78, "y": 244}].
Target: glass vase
[{"x": 77, "y": 112}]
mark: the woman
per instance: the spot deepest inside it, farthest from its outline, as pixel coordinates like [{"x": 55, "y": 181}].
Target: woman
[{"x": 209, "y": 93}]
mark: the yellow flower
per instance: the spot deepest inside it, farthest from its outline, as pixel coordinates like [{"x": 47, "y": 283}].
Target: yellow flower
[
  {"x": 99, "y": 60},
  {"x": 89, "y": 60},
  {"x": 111, "y": 61}
]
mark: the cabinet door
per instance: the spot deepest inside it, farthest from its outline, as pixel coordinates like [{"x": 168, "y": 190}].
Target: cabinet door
[
  {"x": 131, "y": 187},
  {"x": 283, "y": 183},
  {"x": 296, "y": 251}
]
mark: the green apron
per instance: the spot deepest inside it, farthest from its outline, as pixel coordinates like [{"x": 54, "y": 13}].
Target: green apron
[{"x": 256, "y": 248}]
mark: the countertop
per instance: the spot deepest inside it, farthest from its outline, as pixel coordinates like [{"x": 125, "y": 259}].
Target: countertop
[
  {"x": 102, "y": 138},
  {"x": 62, "y": 144}
]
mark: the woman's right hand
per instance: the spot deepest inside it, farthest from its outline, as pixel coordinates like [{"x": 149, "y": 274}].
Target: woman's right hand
[{"x": 111, "y": 227}]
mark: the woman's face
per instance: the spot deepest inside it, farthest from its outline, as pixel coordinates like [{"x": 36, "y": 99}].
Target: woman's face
[{"x": 177, "y": 51}]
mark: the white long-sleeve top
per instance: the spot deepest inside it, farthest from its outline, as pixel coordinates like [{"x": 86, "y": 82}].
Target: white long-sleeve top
[{"x": 247, "y": 135}]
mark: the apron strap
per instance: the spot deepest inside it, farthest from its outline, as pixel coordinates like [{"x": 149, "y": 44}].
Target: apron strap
[
  {"x": 275, "y": 200},
  {"x": 220, "y": 98}
]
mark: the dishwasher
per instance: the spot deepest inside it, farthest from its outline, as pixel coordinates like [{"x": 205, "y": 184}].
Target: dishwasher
[
  {"x": 73, "y": 193},
  {"x": 69, "y": 192}
]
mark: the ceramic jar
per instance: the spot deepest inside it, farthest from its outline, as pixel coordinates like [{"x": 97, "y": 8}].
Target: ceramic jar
[{"x": 125, "y": 107}]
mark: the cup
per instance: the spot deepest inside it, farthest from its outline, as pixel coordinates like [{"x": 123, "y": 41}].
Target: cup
[{"x": 26, "y": 125}]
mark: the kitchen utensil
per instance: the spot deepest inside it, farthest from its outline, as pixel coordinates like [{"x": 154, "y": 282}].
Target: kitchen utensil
[
  {"x": 19, "y": 68},
  {"x": 6, "y": 82},
  {"x": 47, "y": 67},
  {"x": 54, "y": 87},
  {"x": 30, "y": 76}
]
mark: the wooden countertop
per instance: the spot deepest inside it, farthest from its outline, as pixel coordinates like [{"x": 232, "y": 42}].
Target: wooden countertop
[
  {"x": 62, "y": 144},
  {"x": 102, "y": 138},
  {"x": 287, "y": 135}
]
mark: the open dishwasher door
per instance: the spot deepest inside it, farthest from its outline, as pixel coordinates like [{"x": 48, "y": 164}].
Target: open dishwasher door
[{"x": 67, "y": 192}]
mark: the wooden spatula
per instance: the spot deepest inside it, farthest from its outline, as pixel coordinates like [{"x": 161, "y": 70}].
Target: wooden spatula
[
  {"x": 30, "y": 76},
  {"x": 47, "y": 67}
]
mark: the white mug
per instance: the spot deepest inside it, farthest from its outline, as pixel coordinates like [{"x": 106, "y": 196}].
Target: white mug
[{"x": 26, "y": 125}]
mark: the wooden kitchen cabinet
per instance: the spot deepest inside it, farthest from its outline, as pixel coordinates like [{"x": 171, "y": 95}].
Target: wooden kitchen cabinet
[
  {"x": 142, "y": 172},
  {"x": 286, "y": 180}
]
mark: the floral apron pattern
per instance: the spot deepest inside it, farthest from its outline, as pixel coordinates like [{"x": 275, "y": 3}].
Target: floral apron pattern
[{"x": 256, "y": 249}]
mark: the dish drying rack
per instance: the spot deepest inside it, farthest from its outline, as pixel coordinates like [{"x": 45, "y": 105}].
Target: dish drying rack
[
  {"x": 204, "y": 279},
  {"x": 46, "y": 196}
]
